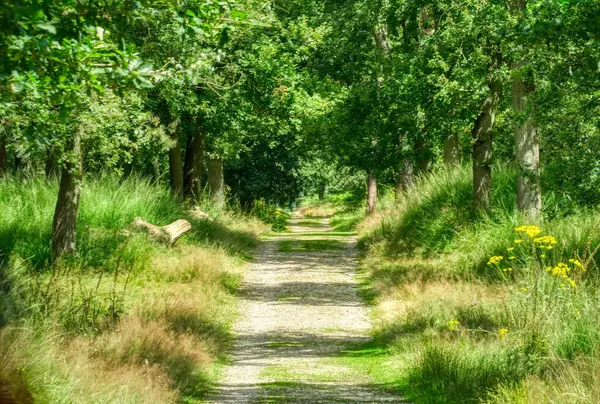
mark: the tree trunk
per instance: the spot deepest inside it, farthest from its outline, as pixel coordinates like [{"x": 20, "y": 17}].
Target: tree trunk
[
  {"x": 322, "y": 188},
  {"x": 3, "y": 157},
  {"x": 64, "y": 225},
  {"x": 216, "y": 184},
  {"x": 371, "y": 193},
  {"x": 423, "y": 156},
  {"x": 482, "y": 134},
  {"x": 194, "y": 155},
  {"x": 176, "y": 168},
  {"x": 404, "y": 178},
  {"x": 527, "y": 153},
  {"x": 452, "y": 150}
]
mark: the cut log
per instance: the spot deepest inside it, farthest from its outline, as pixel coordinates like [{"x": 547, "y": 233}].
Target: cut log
[{"x": 168, "y": 234}]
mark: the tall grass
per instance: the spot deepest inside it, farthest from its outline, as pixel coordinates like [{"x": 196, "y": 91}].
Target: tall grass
[
  {"x": 152, "y": 321},
  {"x": 481, "y": 332}
]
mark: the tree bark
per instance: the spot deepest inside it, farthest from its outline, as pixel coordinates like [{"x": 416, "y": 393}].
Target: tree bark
[
  {"x": 482, "y": 135},
  {"x": 422, "y": 155},
  {"x": 452, "y": 150},
  {"x": 322, "y": 188},
  {"x": 216, "y": 183},
  {"x": 176, "y": 168},
  {"x": 404, "y": 178},
  {"x": 64, "y": 225},
  {"x": 527, "y": 145},
  {"x": 371, "y": 193},
  {"x": 3, "y": 157},
  {"x": 194, "y": 155},
  {"x": 527, "y": 153}
]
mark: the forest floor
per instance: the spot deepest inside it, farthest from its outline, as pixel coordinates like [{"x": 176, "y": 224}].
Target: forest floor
[{"x": 300, "y": 312}]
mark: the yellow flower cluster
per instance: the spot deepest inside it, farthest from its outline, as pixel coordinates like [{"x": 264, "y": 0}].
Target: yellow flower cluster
[
  {"x": 495, "y": 260},
  {"x": 531, "y": 231},
  {"x": 452, "y": 324},
  {"x": 502, "y": 333},
  {"x": 561, "y": 269},
  {"x": 545, "y": 240}
]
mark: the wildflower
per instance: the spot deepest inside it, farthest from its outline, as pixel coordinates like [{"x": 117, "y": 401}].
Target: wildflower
[
  {"x": 561, "y": 269},
  {"x": 502, "y": 333},
  {"x": 545, "y": 240},
  {"x": 495, "y": 260},
  {"x": 524, "y": 290},
  {"x": 512, "y": 257},
  {"x": 509, "y": 249},
  {"x": 452, "y": 324},
  {"x": 548, "y": 247},
  {"x": 508, "y": 269},
  {"x": 542, "y": 256},
  {"x": 572, "y": 283},
  {"x": 548, "y": 269},
  {"x": 577, "y": 263},
  {"x": 531, "y": 231},
  {"x": 518, "y": 241}
]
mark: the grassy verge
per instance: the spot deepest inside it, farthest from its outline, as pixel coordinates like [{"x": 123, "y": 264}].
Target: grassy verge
[
  {"x": 454, "y": 325},
  {"x": 127, "y": 320}
]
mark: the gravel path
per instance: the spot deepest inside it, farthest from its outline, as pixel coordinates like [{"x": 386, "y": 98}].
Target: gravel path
[{"x": 299, "y": 308}]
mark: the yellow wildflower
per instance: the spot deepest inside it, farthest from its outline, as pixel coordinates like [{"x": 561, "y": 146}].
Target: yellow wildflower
[
  {"x": 518, "y": 241},
  {"x": 561, "y": 269},
  {"x": 545, "y": 240},
  {"x": 549, "y": 247},
  {"x": 452, "y": 324},
  {"x": 577, "y": 263},
  {"x": 542, "y": 256},
  {"x": 572, "y": 283},
  {"x": 531, "y": 231},
  {"x": 509, "y": 249},
  {"x": 524, "y": 290},
  {"x": 495, "y": 260},
  {"x": 502, "y": 333},
  {"x": 512, "y": 257}
]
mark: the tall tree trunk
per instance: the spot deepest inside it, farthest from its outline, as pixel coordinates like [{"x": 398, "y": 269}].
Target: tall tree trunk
[
  {"x": 371, "y": 192},
  {"x": 452, "y": 150},
  {"x": 216, "y": 183},
  {"x": 527, "y": 153},
  {"x": 423, "y": 156},
  {"x": 404, "y": 178},
  {"x": 176, "y": 168},
  {"x": 527, "y": 145},
  {"x": 194, "y": 155},
  {"x": 482, "y": 134},
  {"x": 64, "y": 225},
  {"x": 3, "y": 157}
]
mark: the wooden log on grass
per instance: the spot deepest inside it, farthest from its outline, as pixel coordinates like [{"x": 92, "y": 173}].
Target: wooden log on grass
[{"x": 168, "y": 234}]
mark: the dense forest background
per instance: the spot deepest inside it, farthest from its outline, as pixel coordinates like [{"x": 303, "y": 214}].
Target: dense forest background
[{"x": 115, "y": 109}]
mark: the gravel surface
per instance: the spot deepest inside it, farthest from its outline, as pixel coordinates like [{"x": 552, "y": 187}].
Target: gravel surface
[{"x": 298, "y": 309}]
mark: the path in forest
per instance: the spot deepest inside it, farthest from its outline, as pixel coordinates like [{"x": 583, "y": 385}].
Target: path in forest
[{"x": 299, "y": 310}]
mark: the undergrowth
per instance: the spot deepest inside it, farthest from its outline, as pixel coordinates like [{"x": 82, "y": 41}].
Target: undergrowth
[
  {"x": 126, "y": 319},
  {"x": 475, "y": 308}
]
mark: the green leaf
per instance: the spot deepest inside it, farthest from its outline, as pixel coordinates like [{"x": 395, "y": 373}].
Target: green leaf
[{"x": 46, "y": 26}]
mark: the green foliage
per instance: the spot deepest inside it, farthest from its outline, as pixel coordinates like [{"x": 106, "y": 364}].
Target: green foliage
[{"x": 271, "y": 214}]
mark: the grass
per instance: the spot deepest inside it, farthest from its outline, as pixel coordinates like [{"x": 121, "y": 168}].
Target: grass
[
  {"x": 452, "y": 329},
  {"x": 126, "y": 320},
  {"x": 309, "y": 245}
]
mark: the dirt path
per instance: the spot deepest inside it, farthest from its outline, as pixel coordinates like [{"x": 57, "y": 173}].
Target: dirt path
[{"x": 299, "y": 310}]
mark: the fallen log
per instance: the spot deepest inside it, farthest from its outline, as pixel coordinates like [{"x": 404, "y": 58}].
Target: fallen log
[{"x": 168, "y": 234}]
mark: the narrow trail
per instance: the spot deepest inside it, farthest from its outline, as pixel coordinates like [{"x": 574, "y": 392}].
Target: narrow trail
[{"x": 300, "y": 309}]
